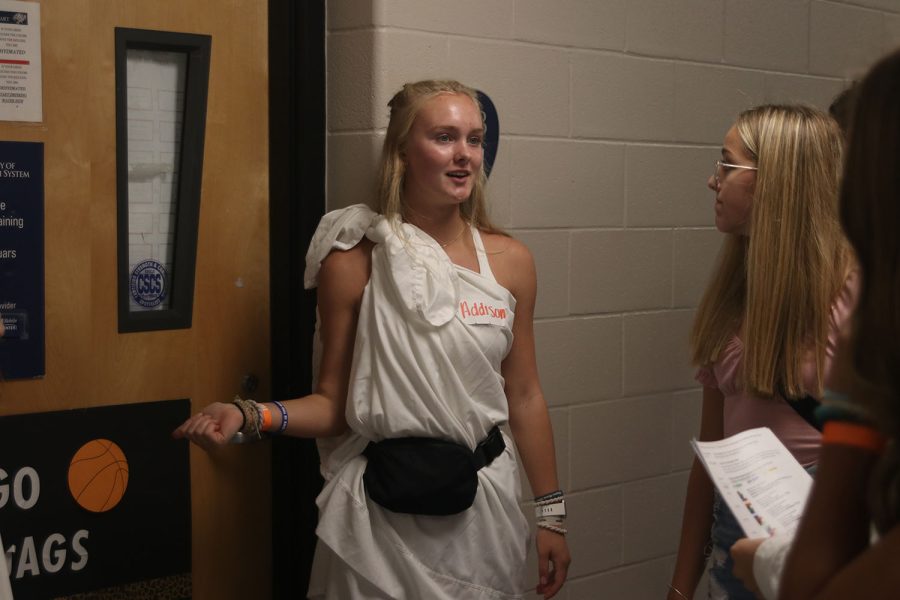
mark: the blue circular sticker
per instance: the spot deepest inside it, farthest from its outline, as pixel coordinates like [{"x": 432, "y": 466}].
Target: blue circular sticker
[{"x": 149, "y": 283}]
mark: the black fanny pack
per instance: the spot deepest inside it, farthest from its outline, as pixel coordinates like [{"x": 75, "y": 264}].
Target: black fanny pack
[{"x": 427, "y": 476}]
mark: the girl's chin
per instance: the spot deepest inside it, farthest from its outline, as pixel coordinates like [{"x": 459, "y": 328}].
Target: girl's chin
[
  {"x": 723, "y": 226},
  {"x": 444, "y": 200},
  {"x": 731, "y": 229},
  {"x": 459, "y": 194}
]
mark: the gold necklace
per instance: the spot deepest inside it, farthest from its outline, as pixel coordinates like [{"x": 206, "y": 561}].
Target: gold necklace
[
  {"x": 458, "y": 235},
  {"x": 462, "y": 230}
]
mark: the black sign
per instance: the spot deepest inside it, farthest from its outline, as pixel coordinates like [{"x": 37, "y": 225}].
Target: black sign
[
  {"x": 95, "y": 499},
  {"x": 21, "y": 259},
  {"x": 13, "y": 18}
]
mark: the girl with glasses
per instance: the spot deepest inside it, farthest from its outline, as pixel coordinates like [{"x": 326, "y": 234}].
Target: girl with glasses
[{"x": 764, "y": 332}]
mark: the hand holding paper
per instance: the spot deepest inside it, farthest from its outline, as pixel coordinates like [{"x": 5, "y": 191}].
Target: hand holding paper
[{"x": 758, "y": 478}]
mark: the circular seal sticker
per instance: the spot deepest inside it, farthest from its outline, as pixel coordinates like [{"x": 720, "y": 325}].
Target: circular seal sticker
[{"x": 149, "y": 283}]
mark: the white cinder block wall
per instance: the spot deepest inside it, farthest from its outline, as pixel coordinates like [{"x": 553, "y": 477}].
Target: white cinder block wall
[{"x": 611, "y": 115}]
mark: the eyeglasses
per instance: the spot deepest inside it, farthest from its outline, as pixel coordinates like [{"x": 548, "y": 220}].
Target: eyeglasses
[{"x": 726, "y": 167}]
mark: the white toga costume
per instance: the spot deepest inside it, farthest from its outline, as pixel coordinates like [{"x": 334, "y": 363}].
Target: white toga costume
[{"x": 429, "y": 344}]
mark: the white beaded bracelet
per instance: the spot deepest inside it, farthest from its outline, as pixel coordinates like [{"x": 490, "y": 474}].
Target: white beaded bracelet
[{"x": 554, "y": 528}]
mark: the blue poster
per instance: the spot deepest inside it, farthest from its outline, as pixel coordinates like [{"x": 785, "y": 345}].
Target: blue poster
[{"x": 21, "y": 260}]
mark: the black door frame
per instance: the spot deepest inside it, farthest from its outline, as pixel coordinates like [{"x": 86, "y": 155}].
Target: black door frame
[{"x": 296, "y": 203}]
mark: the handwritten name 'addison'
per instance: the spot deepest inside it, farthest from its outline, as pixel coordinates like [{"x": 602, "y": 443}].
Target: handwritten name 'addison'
[{"x": 480, "y": 309}]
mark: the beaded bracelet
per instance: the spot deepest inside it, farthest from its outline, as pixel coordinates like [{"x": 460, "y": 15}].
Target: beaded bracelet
[
  {"x": 550, "y": 512},
  {"x": 248, "y": 417},
  {"x": 550, "y": 496},
  {"x": 554, "y": 528},
  {"x": 252, "y": 418},
  {"x": 837, "y": 406},
  {"x": 557, "y": 497},
  {"x": 836, "y": 412},
  {"x": 555, "y": 521}
]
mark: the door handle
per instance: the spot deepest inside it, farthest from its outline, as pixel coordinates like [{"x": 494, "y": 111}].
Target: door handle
[{"x": 249, "y": 383}]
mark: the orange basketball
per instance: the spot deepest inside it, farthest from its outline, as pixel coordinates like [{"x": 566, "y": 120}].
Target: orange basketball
[{"x": 98, "y": 475}]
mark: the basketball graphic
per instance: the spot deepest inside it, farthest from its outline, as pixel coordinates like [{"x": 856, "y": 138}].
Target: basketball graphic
[{"x": 98, "y": 475}]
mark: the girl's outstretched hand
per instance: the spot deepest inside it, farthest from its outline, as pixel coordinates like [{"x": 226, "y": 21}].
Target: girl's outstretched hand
[{"x": 214, "y": 426}]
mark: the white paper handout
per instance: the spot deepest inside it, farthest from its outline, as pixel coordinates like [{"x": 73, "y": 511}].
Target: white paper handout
[
  {"x": 21, "y": 78},
  {"x": 759, "y": 479}
]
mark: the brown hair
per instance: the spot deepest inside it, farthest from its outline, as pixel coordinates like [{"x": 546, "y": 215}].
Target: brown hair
[
  {"x": 841, "y": 107},
  {"x": 870, "y": 214}
]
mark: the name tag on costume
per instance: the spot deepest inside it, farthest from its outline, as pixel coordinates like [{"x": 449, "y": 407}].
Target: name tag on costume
[{"x": 478, "y": 312}]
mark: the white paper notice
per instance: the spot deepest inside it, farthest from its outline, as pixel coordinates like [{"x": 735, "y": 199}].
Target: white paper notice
[
  {"x": 21, "y": 92},
  {"x": 759, "y": 479}
]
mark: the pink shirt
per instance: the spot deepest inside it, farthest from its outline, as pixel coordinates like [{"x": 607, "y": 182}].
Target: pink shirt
[{"x": 744, "y": 410}]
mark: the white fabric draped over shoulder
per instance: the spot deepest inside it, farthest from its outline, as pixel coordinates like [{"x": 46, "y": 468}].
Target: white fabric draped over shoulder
[
  {"x": 338, "y": 230},
  {"x": 422, "y": 275},
  {"x": 430, "y": 340}
]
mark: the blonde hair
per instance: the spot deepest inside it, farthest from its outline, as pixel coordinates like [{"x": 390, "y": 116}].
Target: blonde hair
[
  {"x": 405, "y": 106},
  {"x": 777, "y": 285}
]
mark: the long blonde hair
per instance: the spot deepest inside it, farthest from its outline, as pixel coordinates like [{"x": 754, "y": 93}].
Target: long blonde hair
[
  {"x": 405, "y": 105},
  {"x": 777, "y": 285}
]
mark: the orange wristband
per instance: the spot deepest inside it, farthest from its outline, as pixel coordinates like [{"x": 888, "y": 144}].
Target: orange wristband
[
  {"x": 266, "y": 415},
  {"x": 844, "y": 433}
]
